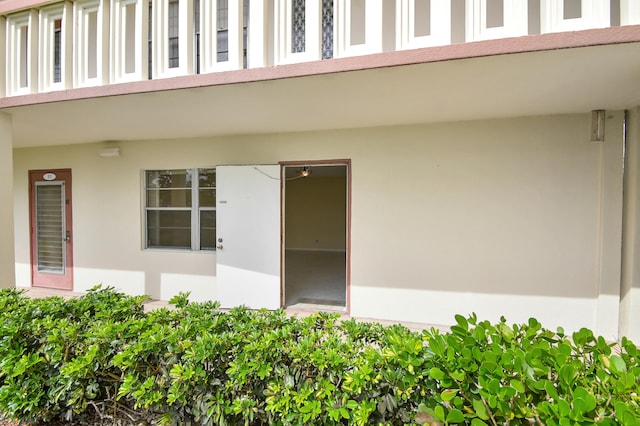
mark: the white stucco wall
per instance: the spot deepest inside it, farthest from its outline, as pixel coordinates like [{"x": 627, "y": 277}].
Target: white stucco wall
[
  {"x": 7, "y": 277},
  {"x": 514, "y": 217},
  {"x": 630, "y": 289}
]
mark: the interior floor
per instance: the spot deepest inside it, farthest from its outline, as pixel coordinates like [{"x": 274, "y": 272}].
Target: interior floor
[{"x": 316, "y": 280}]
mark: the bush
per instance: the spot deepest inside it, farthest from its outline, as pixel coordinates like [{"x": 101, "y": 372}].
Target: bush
[{"x": 100, "y": 358}]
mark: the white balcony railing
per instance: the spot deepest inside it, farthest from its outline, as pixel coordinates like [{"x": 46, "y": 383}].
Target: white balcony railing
[{"x": 83, "y": 43}]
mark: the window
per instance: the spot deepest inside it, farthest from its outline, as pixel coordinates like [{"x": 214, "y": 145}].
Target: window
[
  {"x": 174, "y": 26},
  {"x": 53, "y": 37},
  {"x": 222, "y": 31},
  {"x": 196, "y": 32},
  {"x": 180, "y": 209},
  {"x": 57, "y": 51}
]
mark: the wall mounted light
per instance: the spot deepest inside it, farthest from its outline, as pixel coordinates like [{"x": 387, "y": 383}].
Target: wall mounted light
[
  {"x": 110, "y": 152},
  {"x": 305, "y": 171},
  {"x": 597, "y": 125}
]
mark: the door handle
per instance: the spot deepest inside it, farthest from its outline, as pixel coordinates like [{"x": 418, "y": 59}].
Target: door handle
[
  {"x": 219, "y": 246},
  {"x": 67, "y": 237}
]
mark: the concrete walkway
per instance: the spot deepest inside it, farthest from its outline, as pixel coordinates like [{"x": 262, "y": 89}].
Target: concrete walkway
[{"x": 36, "y": 292}]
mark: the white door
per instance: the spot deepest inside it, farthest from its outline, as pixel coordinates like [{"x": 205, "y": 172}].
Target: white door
[{"x": 248, "y": 236}]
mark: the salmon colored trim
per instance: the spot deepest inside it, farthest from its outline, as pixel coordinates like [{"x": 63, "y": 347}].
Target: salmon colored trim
[
  {"x": 341, "y": 162},
  {"x": 506, "y": 46},
  {"x": 11, "y": 6}
]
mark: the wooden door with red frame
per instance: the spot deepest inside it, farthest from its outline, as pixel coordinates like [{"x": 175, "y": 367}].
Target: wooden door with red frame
[{"x": 51, "y": 230}]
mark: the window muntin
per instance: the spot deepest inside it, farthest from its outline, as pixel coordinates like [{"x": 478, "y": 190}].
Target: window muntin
[{"x": 180, "y": 210}]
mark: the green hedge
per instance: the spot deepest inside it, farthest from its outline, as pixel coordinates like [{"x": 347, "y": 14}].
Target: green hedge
[{"x": 100, "y": 358}]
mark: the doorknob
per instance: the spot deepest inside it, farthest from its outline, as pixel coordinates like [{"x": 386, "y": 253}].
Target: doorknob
[
  {"x": 67, "y": 236},
  {"x": 219, "y": 246}
]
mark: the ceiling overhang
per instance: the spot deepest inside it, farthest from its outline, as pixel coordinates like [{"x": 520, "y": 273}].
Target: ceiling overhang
[{"x": 444, "y": 84}]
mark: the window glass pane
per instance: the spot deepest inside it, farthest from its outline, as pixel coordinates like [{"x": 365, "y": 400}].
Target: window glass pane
[
  {"x": 169, "y": 198},
  {"x": 169, "y": 179},
  {"x": 208, "y": 197},
  {"x": 327, "y": 29},
  {"x": 174, "y": 22},
  {"x": 57, "y": 51},
  {"x": 298, "y": 26},
  {"x": 207, "y": 178},
  {"x": 169, "y": 228},
  {"x": 207, "y": 184},
  {"x": 207, "y": 229}
]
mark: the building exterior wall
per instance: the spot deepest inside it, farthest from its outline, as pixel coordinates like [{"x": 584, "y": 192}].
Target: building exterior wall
[
  {"x": 500, "y": 217},
  {"x": 630, "y": 287},
  {"x": 7, "y": 277}
]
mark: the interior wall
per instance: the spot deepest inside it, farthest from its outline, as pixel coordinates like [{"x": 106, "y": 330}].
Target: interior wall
[
  {"x": 315, "y": 213},
  {"x": 501, "y": 217},
  {"x": 7, "y": 277}
]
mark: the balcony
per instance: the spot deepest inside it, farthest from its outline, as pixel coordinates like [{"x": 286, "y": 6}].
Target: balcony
[
  {"x": 68, "y": 45},
  {"x": 97, "y": 70}
]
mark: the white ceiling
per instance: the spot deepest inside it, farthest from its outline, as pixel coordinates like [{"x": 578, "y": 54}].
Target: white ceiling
[{"x": 548, "y": 82}]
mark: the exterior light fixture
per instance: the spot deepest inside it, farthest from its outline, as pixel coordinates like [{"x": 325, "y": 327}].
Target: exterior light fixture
[
  {"x": 305, "y": 171},
  {"x": 110, "y": 152}
]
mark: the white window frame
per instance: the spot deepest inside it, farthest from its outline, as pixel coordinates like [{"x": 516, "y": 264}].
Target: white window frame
[
  {"x": 595, "y": 14},
  {"x": 3, "y": 56},
  {"x": 160, "y": 39},
  {"x": 15, "y": 25},
  {"x": 284, "y": 35},
  {"x": 82, "y": 30},
  {"x": 119, "y": 47},
  {"x": 515, "y": 23},
  {"x": 209, "y": 36},
  {"x": 195, "y": 210},
  {"x": 440, "y": 24},
  {"x": 48, "y": 17}
]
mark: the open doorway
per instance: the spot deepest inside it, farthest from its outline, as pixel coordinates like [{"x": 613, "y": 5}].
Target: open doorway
[{"x": 316, "y": 238}]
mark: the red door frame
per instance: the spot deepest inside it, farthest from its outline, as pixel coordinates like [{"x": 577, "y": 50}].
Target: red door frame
[{"x": 38, "y": 279}]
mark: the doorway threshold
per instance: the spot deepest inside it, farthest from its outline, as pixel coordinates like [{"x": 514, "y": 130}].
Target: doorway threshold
[{"x": 318, "y": 305}]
